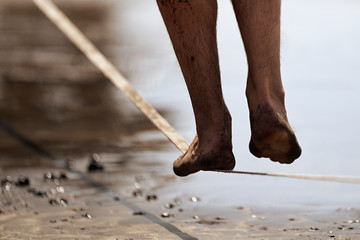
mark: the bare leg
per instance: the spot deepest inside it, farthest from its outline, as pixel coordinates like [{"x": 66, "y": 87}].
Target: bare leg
[
  {"x": 192, "y": 28},
  {"x": 272, "y": 136}
]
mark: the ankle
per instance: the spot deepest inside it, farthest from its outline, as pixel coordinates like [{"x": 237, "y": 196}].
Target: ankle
[{"x": 267, "y": 92}]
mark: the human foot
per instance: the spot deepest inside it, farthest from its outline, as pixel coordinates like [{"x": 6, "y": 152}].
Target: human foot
[
  {"x": 272, "y": 136},
  {"x": 220, "y": 157}
]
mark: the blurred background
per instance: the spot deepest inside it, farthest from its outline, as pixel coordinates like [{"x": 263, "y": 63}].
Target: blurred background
[{"x": 50, "y": 93}]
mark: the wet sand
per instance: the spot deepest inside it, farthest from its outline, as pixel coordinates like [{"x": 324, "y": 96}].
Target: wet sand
[{"x": 57, "y": 110}]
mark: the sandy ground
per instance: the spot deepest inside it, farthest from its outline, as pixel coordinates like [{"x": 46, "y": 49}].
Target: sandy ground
[{"x": 58, "y": 113}]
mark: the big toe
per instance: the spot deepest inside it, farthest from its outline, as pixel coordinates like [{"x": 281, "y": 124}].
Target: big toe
[{"x": 183, "y": 168}]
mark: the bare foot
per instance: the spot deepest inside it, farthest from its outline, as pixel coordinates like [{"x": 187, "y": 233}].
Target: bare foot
[
  {"x": 212, "y": 152},
  {"x": 194, "y": 160},
  {"x": 272, "y": 136}
]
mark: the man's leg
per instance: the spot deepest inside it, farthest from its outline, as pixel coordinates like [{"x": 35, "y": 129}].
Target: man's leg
[
  {"x": 272, "y": 136},
  {"x": 192, "y": 28}
]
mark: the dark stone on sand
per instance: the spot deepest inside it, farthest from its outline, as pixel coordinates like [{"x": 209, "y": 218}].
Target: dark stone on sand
[
  {"x": 166, "y": 215},
  {"x": 138, "y": 213},
  {"x": 41, "y": 194},
  {"x": 1, "y": 211},
  {"x": 23, "y": 181},
  {"x": 49, "y": 176},
  {"x": 63, "y": 176},
  {"x": 137, "y": 193},
  {"x": 168, "y": 205},
  {"x": 37, "y": 193},
  {"x": 63, "y": 202},
  {"x": 95, "y": 164},
  {"x": 53, "y": 202},
  {"x": 116, "y": 198},
  {"x": 87, "y": 215},
  {"x": 151, "y": 197},
  {"x": 52, "y": 221}
]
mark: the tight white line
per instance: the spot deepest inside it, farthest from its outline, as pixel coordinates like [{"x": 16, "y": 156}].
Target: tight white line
[{"x": 109, "y": 70}]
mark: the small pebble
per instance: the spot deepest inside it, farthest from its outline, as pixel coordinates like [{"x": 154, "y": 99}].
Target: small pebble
[
  {"x": 166, "y": 215},
  {"x": 63, "y": 176},
  {"x": 60, "y": 189},
  {"x": 313, "y": 229},
  {"x": 40, "y": 194},
  {"x": 137, "y": 193},
  {"x": 8, "y": 187},
  {"x": 291, "y": 219},
  {"x": 87, "y": 215},
  {"x": 23, "y": 181},
  {"x": 168, "y": 205},
  {"x": 49, "y": 176},
  {"x": 95, "y": 164},
  {"x": 138, "y": 213},
  {"x": 53, "y": 202},
  {"x": 63, "y": 202},
  {"x": 116, "y": 198},
  {"x": 150, "y": 197},
  {"x": 195, "y": 199},
  {"x": 52, "y": 221}
]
